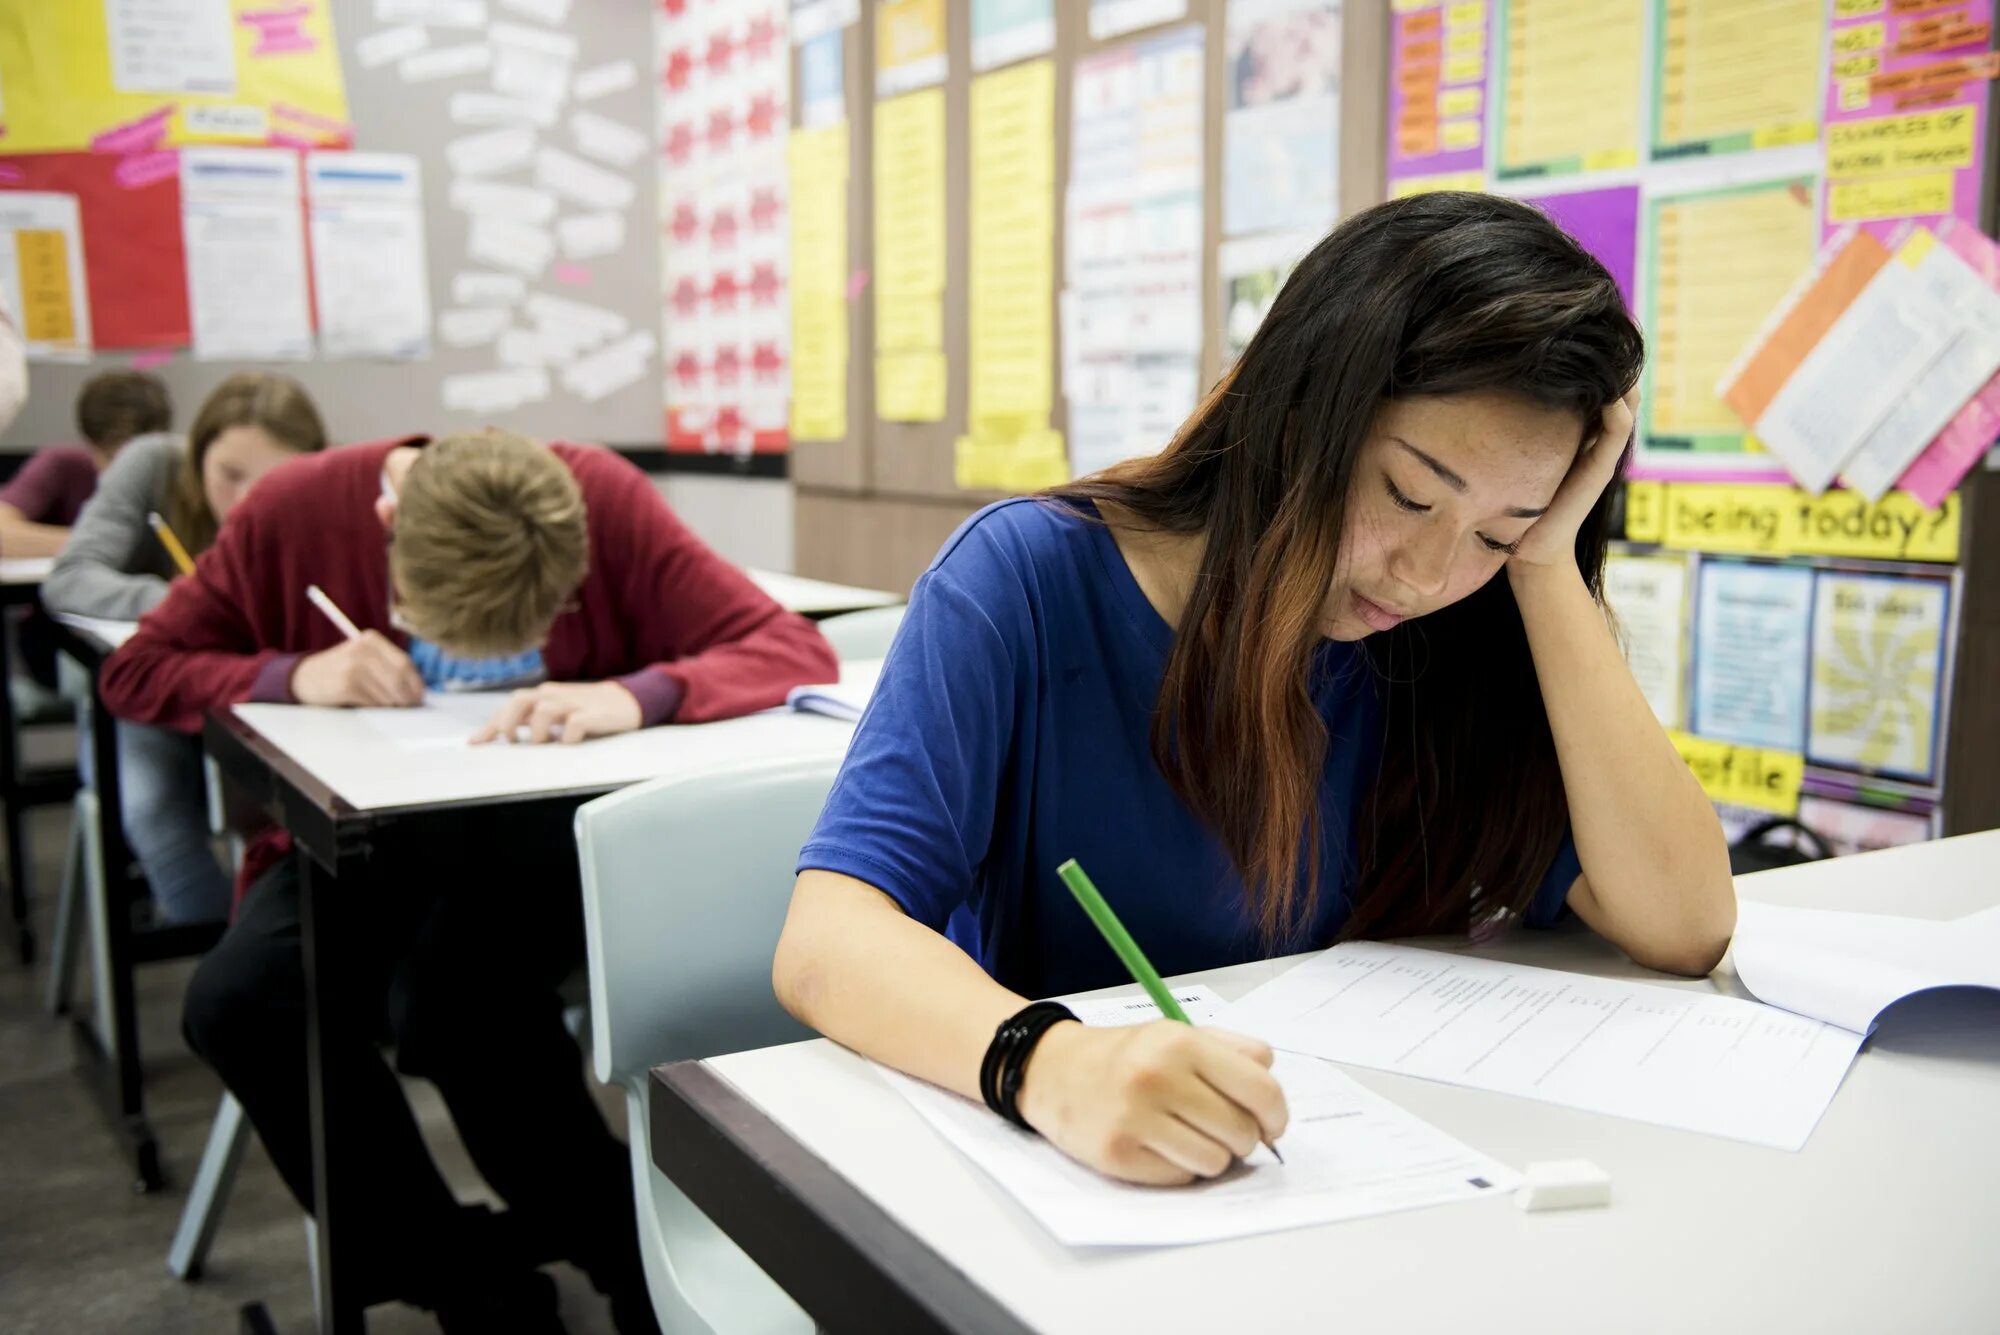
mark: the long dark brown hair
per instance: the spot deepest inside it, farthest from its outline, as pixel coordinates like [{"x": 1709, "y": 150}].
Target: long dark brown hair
[
  {"x": 1443, "y": 293},
  {"x": 276, "y": 404}
]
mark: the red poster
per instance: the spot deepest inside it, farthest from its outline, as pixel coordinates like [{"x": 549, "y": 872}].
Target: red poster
[{"x": 131, "y": 207}]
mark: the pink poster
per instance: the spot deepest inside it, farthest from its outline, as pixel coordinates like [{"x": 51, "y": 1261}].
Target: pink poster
[
  {"x": 1437, "y": 92},
  {"x": 1906, "y": 114}
]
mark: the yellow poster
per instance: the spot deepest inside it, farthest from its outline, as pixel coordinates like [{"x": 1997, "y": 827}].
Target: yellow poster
[
  {"x": 1012, "y": 335},
  {"x": 1730, "y": 76},
  {"x": 1570, "y": 75},
  {"x": 1744, "y": 776},
  {"x": 126, "y": 76},
  {"x": 818, "y": 160},
  {"x": 42, "y": 273},
  {"x": 910, "y": 45},
  {"x": 910, "y": 379},
  {"x": 1721, "y": 261},
  {"x": 1764, "y": 519},
  {"x": 1877, "y": 667}
]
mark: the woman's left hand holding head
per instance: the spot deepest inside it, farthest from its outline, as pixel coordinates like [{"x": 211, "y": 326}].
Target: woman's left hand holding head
[{"x": 1552, "y": 540}]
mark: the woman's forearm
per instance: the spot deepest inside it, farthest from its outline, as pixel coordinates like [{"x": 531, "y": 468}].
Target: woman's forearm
[
  {"x": 857, "y": 968},
  {"x": 1656, "y": 868}
]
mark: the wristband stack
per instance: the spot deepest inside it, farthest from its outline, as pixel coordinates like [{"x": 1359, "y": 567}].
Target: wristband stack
[{"x": 1007, "y": 1056}]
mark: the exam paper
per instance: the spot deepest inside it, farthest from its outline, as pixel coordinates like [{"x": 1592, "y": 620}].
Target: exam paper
[
  {"x": 446, "y": 718},
  {"x": 1348, "y": 1152},
  {"x": 844, "y": 699},
  {"x": 1847, "y": 968},
  {"x": 246, "y": 254},
  {"x": 369, "y": 270},
  {"x": 1699, "y": 1062}
]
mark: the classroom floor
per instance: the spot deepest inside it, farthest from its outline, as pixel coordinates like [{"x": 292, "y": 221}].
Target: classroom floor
[{"x": 79, "y": 1252}]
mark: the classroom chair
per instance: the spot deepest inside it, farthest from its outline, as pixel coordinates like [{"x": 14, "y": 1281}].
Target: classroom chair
[
  {"x": 685, "y": 883},
  {"x": 860, "y": 635}
]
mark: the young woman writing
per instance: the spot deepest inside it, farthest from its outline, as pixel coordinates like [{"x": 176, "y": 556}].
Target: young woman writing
[{"x": 1332, "y": 665}]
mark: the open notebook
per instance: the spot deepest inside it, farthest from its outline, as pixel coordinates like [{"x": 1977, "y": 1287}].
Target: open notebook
[
  {"x": 1847, "y": 968},
  {"x": 843, "y": 699}
]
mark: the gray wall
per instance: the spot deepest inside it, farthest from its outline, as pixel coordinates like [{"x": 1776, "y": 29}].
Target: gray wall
[{"x": 366, "y": 400}]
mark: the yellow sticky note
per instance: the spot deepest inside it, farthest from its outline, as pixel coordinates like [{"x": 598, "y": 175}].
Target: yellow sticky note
[
  {"x": 1857, "y": 67},
  {"x": 910, "y": 387},
  {"x": 1917, "y": 246},
  {"x": 1744, "y": 776},
  {"x": 817, "y": 164},
  {"x": 1861, "y": 37},
  {"x": 1465, "y": 14},
  {"x": 1419, "y": 185},
  {"x": 1465, "y": 67},
  {"x": 1895, "y": 197},
  {"x": 1771, "y": 520},
  {"x": 48, "y": 306},
  {"x": 1412, "y": 6},
  {"x": 1460, "y": 102},
  {"x": 1883, "y": 145},
  {"x": 908, "y": 321},
  {"x": 1466, "y": 41},
  {"x": 1854, "y": 9},
  {"x": 1461, "y": 134},
  {"x": 1645, "y": 511},
  {"x": 1855, "y": 94}
]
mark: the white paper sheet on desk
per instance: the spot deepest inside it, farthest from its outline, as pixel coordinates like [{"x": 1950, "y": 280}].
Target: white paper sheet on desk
[
  {"x": 1349, "y": 1153},
  {"x": 25, "y": 569},
  {"x": 446, "y": 718},
  {"x": 1847, "y": 968},
  {"x": 112, "y": 633},
  {"x": 1671, "y": 1056},
  {"x": 843, "y": 699}
]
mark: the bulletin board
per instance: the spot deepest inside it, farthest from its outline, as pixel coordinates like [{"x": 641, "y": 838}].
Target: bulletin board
[
  {"x": 1801, "y": 648},
  {"x": 946, "y": 54},
  {"x": 397, "y": 98}
]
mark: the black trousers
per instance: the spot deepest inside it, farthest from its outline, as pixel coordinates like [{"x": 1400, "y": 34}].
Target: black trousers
[{"x": 463, "y": 945}]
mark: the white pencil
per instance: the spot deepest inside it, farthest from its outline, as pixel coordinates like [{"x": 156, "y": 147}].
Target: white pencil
[{"x": 333, "y": 612}]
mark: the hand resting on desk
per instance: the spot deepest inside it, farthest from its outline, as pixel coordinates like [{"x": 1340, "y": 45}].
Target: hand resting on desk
[{"x": 563, "y": 711}]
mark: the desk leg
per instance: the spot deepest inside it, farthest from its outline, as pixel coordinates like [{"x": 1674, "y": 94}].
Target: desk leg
[
  {"x": 115, "y": 1076},
  {"x": 323, "y": 928},
  {"x": 10, "y": 803}
]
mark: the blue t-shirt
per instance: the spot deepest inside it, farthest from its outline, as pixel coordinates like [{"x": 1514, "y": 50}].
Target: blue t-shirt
[{"x": 1011, "y": 731}]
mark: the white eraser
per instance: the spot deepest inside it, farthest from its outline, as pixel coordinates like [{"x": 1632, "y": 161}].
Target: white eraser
[{"x": 1563, "y": 1184}]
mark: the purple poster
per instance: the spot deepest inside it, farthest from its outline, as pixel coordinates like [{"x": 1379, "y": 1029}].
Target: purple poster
[
  {"x": 1607, "y": 223},
  {"x": 1437, "y": 92}
]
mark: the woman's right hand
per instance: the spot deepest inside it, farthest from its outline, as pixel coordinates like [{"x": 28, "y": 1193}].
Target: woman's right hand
[{"x": 1161, "y": 1103}]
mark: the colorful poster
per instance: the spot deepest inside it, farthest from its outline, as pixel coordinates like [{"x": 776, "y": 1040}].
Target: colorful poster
[
  {"x": 1648, "y": 597},
  {"x": 1011, "y": 338},
  {"x": 135, "y": 76},
  {"x": 1132, "y": 301},
  {"x": 819, "y": 182},
  {"x": 910, "y": 379},
  {"x": 1606, "y": 222},
  {"x": 370, "y": 272},
  {"x": 723, "y": 77},
  {"x": 243, "y": 218},
  {"x": 1115, "y": 18},
  {"x": 1004, "y": 31},
  {"x": 1906, "y": 108},
  {"x": 1568, "y": 87},
  {"x": 1719, "y": 261},
  {"x": 1965, "y": 440},
  {"x": 131, "y": 220},
  {"x": 1252, "y": 269},
  {"x": 1852, "y": 827},
  {"x": 1281, "y": 117},
  {"x": 42, "y": 273},
  {"x": 1752, "y": 629},
  {"x": 1878, "y": 673},
  {"x": 1438, "y": 72},
  {"x": 910, "y": 45},
  {"x": 1729, "y": 76},
  {"x": 823, "y": 80}
]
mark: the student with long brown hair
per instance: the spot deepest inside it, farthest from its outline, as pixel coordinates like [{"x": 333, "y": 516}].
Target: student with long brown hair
[
  {"x": 114, "y": 566},
  {"x": 1331, "y": 665}
]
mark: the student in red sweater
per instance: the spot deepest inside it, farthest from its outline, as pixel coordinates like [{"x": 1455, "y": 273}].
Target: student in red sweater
[{"x": 474, "y": 562}]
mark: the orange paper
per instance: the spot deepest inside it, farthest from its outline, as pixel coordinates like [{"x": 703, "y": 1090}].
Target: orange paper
[{"x": 1803, "y": 320}]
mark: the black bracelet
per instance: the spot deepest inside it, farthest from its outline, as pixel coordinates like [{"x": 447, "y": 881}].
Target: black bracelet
[{"x": 1006, "y": 1060}]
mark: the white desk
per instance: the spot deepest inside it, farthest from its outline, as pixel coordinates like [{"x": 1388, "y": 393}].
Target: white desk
[
  {"x": 817, "y": 597},
  {"x": 25, "y": 569},
  {"x": 1885, "y": 1222}
]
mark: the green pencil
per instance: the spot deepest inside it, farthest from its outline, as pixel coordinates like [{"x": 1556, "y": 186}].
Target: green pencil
[{"x": 1127, "y": 950}]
